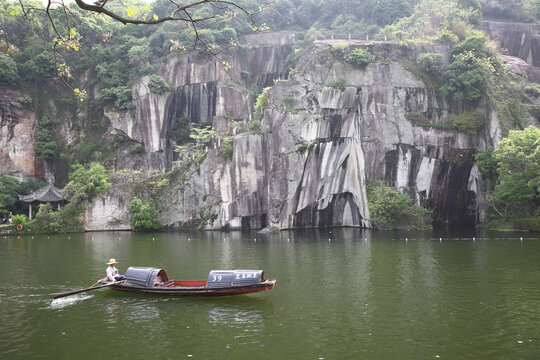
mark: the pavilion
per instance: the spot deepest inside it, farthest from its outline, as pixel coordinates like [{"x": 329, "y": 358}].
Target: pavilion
[{"x": 47, "y": 194}]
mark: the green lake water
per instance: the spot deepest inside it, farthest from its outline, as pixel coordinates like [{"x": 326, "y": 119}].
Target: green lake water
[{"x": 340, "y": 294}]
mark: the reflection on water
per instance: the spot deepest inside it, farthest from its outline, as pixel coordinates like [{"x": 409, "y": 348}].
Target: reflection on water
[
  {"x": 135, "y": 311},
  {"x": 242, "y": 324},
  {"x": 340, "y": 294}
]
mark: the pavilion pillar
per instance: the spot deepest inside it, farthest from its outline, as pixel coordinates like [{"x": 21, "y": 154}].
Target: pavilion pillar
[{"x": 30, "y": 211}]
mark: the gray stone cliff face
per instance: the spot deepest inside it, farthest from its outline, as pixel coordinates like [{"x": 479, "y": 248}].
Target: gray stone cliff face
[
  {"x": 204, "y": 91},
  {"x": 516, "y": 39},
  {"x": 17, "y": 136},
  {"x": 317, "y": 147}
]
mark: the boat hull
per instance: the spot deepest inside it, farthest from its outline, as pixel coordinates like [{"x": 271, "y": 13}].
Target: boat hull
[{"x": 195, "y": 290}]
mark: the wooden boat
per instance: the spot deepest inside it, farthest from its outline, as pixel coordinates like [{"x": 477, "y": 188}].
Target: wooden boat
[{"x": 148, "y": 280}]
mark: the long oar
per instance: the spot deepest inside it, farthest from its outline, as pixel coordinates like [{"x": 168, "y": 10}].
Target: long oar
[{"x": 83, "y": 290}]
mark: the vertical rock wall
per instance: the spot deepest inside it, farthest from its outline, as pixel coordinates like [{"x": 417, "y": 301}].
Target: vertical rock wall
[
  {"x": 318, "y": 144},
  {"x": 516, "y": 39},
  {"x": 17, "y": 136}
]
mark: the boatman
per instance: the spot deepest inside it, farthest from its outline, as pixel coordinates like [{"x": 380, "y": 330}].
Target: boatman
[{"x": 112, "y": 271}]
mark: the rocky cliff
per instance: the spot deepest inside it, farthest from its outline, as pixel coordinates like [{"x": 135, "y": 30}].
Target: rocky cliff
[
  {"x": 516, "y": 39},
  {"x": 17, "y": 137},
  {"x": 329, "y": 127},
  {"x": 317, "y": 146}
]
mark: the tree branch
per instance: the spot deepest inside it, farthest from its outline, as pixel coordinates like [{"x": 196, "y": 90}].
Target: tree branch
[{"x": 100, "y": 9}]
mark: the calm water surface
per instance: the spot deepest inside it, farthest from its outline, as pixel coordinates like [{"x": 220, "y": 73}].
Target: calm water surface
[{"x": 340, "y": 294}]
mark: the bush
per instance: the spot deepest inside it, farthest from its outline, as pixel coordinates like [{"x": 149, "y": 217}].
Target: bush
[
  {"x": 339, "y": 50},
  {"x": 476, "y": 43},
  {"x": 337, "y": 83},
  {"x": 487, "y": 165},
  {"x": 136, "y": 149},
  {"x": 473, "y": 66},
  {"x": 45, "y": 147},
  {"x": 386, "y": 12},
  {"x": 158, "y": 85},
  {"x": 121, "y": 97},
  {"x": 255, "y": 126},
  {"x": 25, "y": 100},
  {"x": 86, "y": 183},
  {"x": 431, "y": 63},
  {"x": 359, "y": 57},
  {"x": 23, "y": 220},
  {"x": 389, "y": 209},
  {"x": 468, "y": 122},
  {"x": 46, "y": 220},
  {"x": 447, "y": 37},
  {"x": 518, "y": 166},
  {"x": 227, "y": 151},
  {"x": 179, "y": 131},
  {"x": 144, "y": 216},
  {"x": 528, "y": 224},
  {"x": 291, "y": 60},
  {"x": 262, "y": 101}
]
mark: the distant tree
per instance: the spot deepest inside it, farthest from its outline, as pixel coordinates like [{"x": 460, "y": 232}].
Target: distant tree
[
  {"x": 386, "y": 12},
  {"x": 522, "y": 10},
  {"x": 8, "y": 71}
]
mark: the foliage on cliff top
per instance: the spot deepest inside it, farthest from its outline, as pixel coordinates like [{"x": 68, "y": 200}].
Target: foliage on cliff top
[
  {"x": 430, "y": 18},
  {"x": 473, "y": 66},
  {"x": 158, "y": 85},
  {"x": 355, "y": 56}
]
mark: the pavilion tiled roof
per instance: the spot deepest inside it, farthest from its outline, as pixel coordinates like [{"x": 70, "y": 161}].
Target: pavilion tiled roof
[{"x": 49, "y": 193}]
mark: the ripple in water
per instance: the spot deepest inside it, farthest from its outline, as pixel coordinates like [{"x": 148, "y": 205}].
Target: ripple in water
[{"x": 68, "y": 301}]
